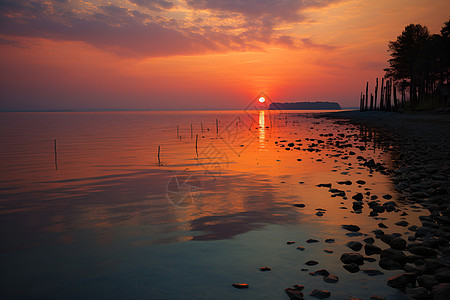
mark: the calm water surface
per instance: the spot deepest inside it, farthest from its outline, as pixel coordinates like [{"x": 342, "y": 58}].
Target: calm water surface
[{"x": 107, "y": 219}]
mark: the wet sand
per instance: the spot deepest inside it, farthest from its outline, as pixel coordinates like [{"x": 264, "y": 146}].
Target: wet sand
[{"x": 419, "y": 145}]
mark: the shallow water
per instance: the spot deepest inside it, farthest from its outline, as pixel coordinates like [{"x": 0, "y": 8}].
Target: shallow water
[{"x": 108, "y": 220}]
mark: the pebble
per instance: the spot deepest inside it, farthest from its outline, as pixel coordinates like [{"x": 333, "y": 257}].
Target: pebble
[
  {"x": 328, "y": 251},
  {"x": 299, "y": 205},
  {"x": 331, "y": 278},
  {"x": 294, "y": 294},
  {"x": 309, "y": 241},
  {"x": 387, "y": 196},
  {"x": 329, "y": 241},
  {"x": 290, "y": 242},
  {"x": 311, "y": 263},
  {"x": 300, "y": 248},
  {"x": 402, "y": 223},
  {"x": 265, "y": 269},
  {"x": 299, "y": 287},
  {"x": 322, "y": 272}
]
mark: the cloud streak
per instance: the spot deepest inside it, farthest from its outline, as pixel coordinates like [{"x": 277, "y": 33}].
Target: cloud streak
[{"x": 147, "y": 28}]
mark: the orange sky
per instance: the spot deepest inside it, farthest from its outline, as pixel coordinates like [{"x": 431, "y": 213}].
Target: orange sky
[{"x": 197, "y": 54}]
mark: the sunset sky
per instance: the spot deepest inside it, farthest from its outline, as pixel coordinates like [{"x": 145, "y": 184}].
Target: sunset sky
[{"x": 197, "y": 54}]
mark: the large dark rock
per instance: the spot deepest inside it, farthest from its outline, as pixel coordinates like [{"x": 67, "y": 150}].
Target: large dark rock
[
  {"x": 370, "y": 249},
  {"x": 395, "y": 255},
  {"x": 398, "y": 243},
  {"x": 294, "y": 294},
  {"x": 427, "y": 281},
  {"x": 443, "y": 275},
  {"x": 321, "y": 294},
  {"x": 358, "y": 197},
  {"x": 423, "y": 251},
  {"x": 352, "y": 268},
  {"x": 417, "y": 293},
  {"x": 349, "y": 258},
  {"x": 441, "y": 291},
  {"x": 401, "y": 281},
  {"x": 389, "y": 264},
  {"x": 353, "y": 228},
  {"x": 355, "y": 246}
]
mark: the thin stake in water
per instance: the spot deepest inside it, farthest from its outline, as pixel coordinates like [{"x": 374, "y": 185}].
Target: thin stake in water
[
  {"x": 159, "y": 151},
  {"x": 196, "y": 141},
  {"x": 178, "y": 134},
  {"x": 191, "y": 131},
  {"x": 56, "y": 155},
  {"x": 217, "y": 126}
]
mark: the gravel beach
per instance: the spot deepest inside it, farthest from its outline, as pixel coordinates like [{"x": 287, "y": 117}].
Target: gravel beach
[{"x": 419, "y": 144}]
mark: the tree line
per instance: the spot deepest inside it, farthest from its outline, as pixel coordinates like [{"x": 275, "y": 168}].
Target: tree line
[{"x": 418, "y": 73}]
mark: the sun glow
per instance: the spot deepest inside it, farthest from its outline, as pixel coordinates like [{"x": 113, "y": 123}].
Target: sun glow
[{"x": 262, "y": 100}]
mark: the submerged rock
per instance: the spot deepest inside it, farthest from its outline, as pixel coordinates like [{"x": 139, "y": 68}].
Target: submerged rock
[
  {"x": 373, "y": 272},
  {"x": 321, "y": 294},
  {"x": 352, "y": 228},
  {"x": 352, "y": 268},
  {"x": 349, "y": 258},
  {"x": 401, "y": 281},
  {"x": 355, "y": 246},
  {"x": 311, "y": 263},
  {"x": 371, "y": 249},
  {"x": 322, "y": 272}
]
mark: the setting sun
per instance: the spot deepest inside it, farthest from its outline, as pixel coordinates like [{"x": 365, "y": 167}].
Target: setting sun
[{"x": 262, "y": 100}]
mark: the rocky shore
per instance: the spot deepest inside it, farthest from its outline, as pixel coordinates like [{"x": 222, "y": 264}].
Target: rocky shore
[{"x": 420, "y": 149}]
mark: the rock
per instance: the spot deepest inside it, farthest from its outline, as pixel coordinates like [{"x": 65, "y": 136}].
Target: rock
[
  {"x": 349, "y": 258},
  {"x": 240, "y": 285},
  {"x": 290, "y": 242},
  {"x": 299, "y": 205},
  {"x": 427, "y": 281},
  {"x": 401, "y": 281},
  {"x": 370, "y": 249},
  {"x": 300, "y": 248},
  {"x": 417, "y": 293},
  {"x": 352, "y": 268},
  {"x": 381, "y": 225},
  {"x": 299, "y": 287},
  {"x": 328, "y": 251},
  {"x": 328, "y": 185},
  {"x": 357, "y": 205},
  {"x": 321, "y": 294},
  {"x": 398, "y": 243},
  {"x": 311, "y": 263},
  {"x": 387, "y": 238},
  {"x": 309, "y": 241},
  {"x": 395, "y": 255},
  {"x": 402, "y": 223},
  {"x": 265, "y": 269},
  {"x": 294, "y": 294},
  {"x": 331, "y": 278},
  {"x": 441, "y": 291},
  {"x": 322, "y": 272},
  {"x": 360, "y": 182},
  {"x": 352, "y": 228},
  {"x": 346, "y": 182},
  {"x": 369, "y": 240},
  {"x": 374, "y": 297},
  {"x": 358, "y": 197},
  {"x": 319, "y": 213},
  {"x": 329, "y": 241},
  {"x": 423, "y": 251},
  {"x": 373, "y": 272},
  {"x": 387, "y": 196},
  {"x": 355, "y": 246},
  {"x": 389, "y": 264},
  {"x": 443, "y": 275}
]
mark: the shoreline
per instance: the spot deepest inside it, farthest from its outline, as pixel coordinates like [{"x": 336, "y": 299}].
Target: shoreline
[{"x": 420, "y": 172}]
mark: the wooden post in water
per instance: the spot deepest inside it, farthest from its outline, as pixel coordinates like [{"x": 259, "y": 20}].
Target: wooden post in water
[
  {"x": 217, "y": 126},
  {"x": 367, "y": 95},
  {"x": 371, "y": 101},
  {"x": 56, "y": 155},
  {"x": 201, "y": 124},
  {"x": 196, "y": 142},
  {"x": 159, "y": 160},
  {"x": 376, "y": 95},
  {"x": 382, "y": 94},
  {"x": 191, "y": 131},
  {"x": 361, "y": 102},
  {"x": 178, "y": 132}
]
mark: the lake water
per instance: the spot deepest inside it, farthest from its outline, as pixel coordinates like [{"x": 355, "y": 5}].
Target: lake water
[{"x": 97, "y": 215}]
